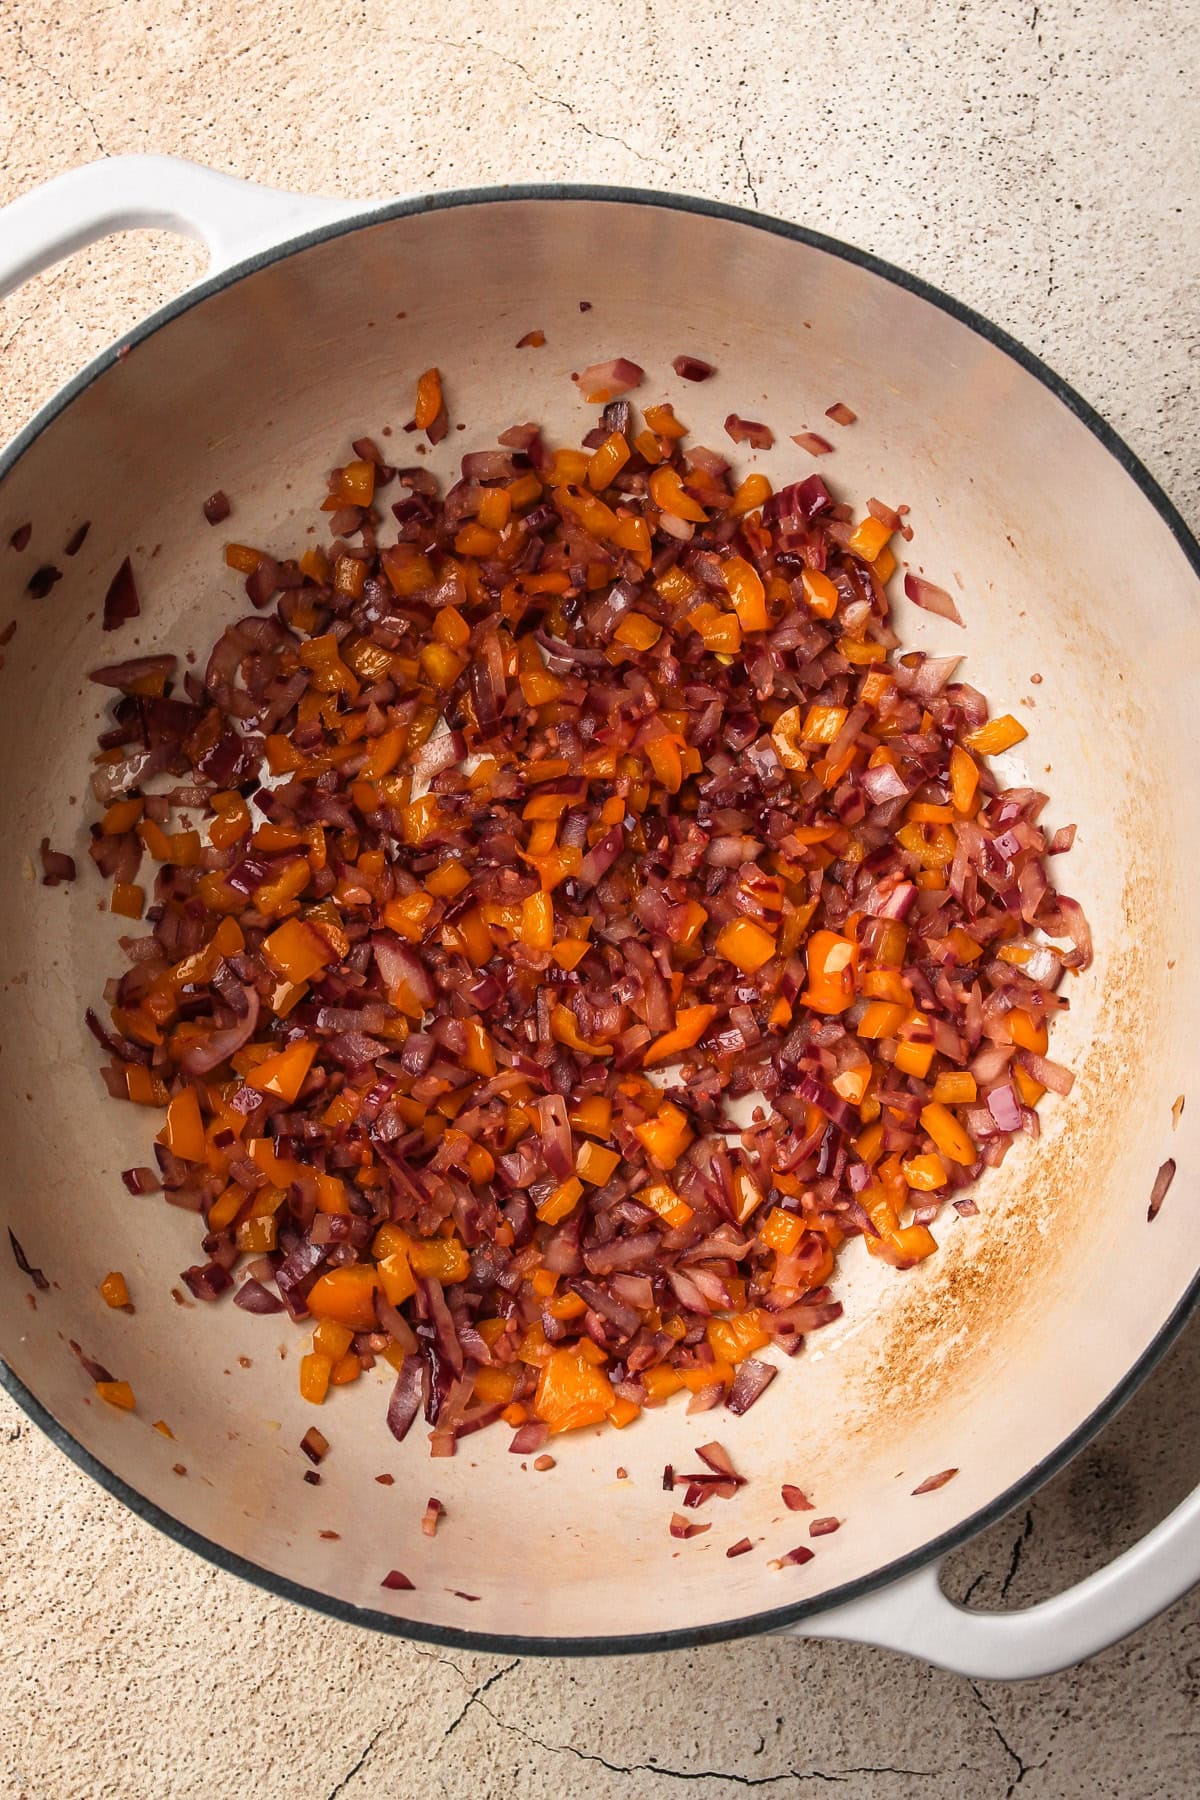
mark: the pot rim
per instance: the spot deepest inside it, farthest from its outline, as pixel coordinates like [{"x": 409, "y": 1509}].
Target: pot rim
[{"x": 775, "y": 1619}]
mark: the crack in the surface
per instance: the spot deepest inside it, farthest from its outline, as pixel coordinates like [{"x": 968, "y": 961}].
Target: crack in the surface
[
  {"x": 982, "y": 1576},
  {"x": 746, "y": 168},
  {"x": 351, "y": 1773},
  {"x": 18, "y": 328},
  {"x": 476, "y": 1695},
  {"x": 1023, "y": 1768},
  {"x": 60, "y": 86},
  {"x": 1023, "y": 1538},
  {"x": 510, "y": 62},
  {"x": 652, "y": 1768}
]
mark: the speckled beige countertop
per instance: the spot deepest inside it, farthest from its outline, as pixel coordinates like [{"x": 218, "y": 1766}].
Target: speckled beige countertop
[{"x": 1038, "y": 161}]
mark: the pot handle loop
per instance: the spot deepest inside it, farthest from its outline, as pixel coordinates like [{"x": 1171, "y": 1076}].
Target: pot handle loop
[
  {"x": 914, "y": 1615},
  {"x": 232, "y": 218}
]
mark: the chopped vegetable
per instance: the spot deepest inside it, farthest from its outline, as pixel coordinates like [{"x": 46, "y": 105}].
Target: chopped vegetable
[
  {"x": 506, "y": 840},
  {"x": 114, "y": 1291}
]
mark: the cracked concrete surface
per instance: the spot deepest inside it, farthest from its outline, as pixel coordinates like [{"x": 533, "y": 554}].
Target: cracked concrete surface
[{"x": 1035, "y": 160}]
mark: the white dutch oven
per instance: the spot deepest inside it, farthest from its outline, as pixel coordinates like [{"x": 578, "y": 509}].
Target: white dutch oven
[{"x": 1000, "y": 1356}]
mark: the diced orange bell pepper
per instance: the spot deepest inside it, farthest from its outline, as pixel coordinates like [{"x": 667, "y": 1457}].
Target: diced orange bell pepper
[
  {"x": 143, "y": 1087},
  {"x": 596, "y": 1163},
  {"x": 495, "y": 1384},
  {"x": 347, "y": 1369},
  {"x": 315, "y": 1371},
  {"x": 667, "y": 493},
  {"x": 822, "y": 724},
  {"x": 633, "y": 535},
  {"x": 127, "y": 899},
  {"x": 495, "y": 508},
  {"x": 782, "y": 1231},
  {"x": 932, "y": 845},
  {"x": 706, "y": 1375},
  {"x": 660, "y": 1382},
  {"x": 242, "y": 558},
  {"x": 121, "y": 816},
  {"x": 662, "y": 753},
  {"x": 448, "y": 879},
  {"x": 407, "y": 915},
  {"x": 666, "y": 1136},
  {"x": 820, "y": 593},
  {"x": 442, "y": 665},
  {"x": 572, "y": 1392},
  {"x": 733, "y": 1340},
  {"x": 428, "y": 402},
  {"x": 852, "y": 1082},
  {"x": 914, "y": 1056},
  {"x": 396, "y": 1278},
  {"x": 567, "y": 1306},
  {"x": 183, "y": 1133},
  {"x": 623, "y": 1412},
  {"x": 272, "y": 896},
  {"x": 346, "y": 1295},
  {"x": 746, "y": 593},
  {"x": 114, "y": 1290},
  {"x": 479, "y": 1055},
  {"x": 639, "y": 632},
  {"x": 964, "y": 779},
  {"x": 745, "y": 944},
  {"x": 285, "y": 1073},
  {"x": 924, "y": 1173},
  {"x": 955, "y": 1087},
  {"x": 750, "y": 495},
  {"x": 691, "y": 1022},
  {"x": 666, "y": 1203},
  {"x": 1029, "y": 1090},
  {"x": 297, "y": 952},
  {"x": 882, "y": 1019},
  {"x": 1025, "y": 1033},
  {"x": 331, "y": 1340},
  {"x": 356, "y": 485},
  {"x": 445, "y": 1259},
  {"x": 537, "y": 922},
  {"x": 832, "y": 969},
  {"x": 562, "y": 1202},
  {"x": 257, "y": 1236},
  {"x": 868, "y": 538},
  {"x": 996, "y": 736},
  {"x": 564, "y": 1027},
  {"x": 947, "y": 1133},
  {"x": 607, "y": 462},
  {"x": 117, "y": 1393},
  {"x": 593, "y": 1115}
]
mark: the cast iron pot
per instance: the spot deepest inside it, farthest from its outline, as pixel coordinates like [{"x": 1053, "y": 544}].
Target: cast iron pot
[{"x": 1001, "y": 1355}]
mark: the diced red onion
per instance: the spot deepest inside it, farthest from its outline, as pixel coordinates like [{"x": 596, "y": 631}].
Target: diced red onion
[
  {"x": 933, "y": 1482},
  {"x": 1158, "y": 1192},
  {"x": 931, "y": 598},
  {"x": 750, "y": 1384},
  {"x": 749, "y": 431},
  {"x": 121, "y": 600},
  {"x": 614, "y": 377}
]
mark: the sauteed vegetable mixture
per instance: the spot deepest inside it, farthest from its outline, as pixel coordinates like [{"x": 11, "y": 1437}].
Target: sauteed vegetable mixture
[{"x": 569, "y": 918}]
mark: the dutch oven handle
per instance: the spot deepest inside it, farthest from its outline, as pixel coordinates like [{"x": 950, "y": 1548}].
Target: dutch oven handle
[
  {"x": 915, "y": 1616},
  {"x": 233, "y": 219}
]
